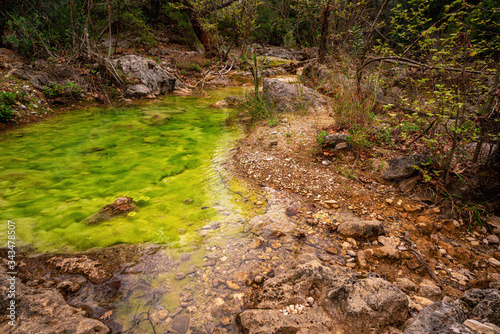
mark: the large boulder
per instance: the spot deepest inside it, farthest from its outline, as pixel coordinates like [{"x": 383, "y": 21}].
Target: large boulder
[
  {"x": 327, "y": 299},
  {"x": 149, "y": 73},
  {"x": 296, "y": 97},
  {"x": 404, "y": 167}
]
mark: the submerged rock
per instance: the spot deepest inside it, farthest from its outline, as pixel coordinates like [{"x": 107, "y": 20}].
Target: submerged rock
[{"x": 120, "y": 207}]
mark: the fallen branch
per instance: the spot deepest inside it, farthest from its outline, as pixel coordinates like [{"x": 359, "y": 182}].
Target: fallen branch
[{"x": 413, "y": 249}]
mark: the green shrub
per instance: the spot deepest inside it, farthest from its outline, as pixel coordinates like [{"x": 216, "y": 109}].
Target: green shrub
[
  {"x": 68, "y": 90},
  {"x": 259, "y": 108},
  {"x": 6, "y": 112}
]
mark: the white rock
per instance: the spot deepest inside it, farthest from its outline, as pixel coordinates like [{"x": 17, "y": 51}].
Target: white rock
[{"x": 481, "y": 328}]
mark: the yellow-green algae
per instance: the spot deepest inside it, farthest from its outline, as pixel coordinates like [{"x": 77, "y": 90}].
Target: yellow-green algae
[{"x": 56, "y": 173}]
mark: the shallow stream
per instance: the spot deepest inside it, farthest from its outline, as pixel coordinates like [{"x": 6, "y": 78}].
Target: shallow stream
[{"x": 165, "y": 155}]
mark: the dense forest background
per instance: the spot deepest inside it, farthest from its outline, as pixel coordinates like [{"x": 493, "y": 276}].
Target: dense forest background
[{"x": 413, "y": 27}]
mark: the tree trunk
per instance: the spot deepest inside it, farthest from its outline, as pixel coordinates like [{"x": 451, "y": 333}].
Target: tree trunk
[
  {"x": 206, "y": 39},
  {"x": 325, "y": 15}
]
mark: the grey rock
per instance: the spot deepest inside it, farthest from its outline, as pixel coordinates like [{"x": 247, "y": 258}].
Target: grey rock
[
  {"x": 137, "y": 91},
  {"x": 272, "y": 321},
  {"x": 402, "y": 168},
  {"x": 361, "y": 229},
  {"x": 292, "y": 98},
  {"x": 435, "y": 318},
  {"x": 335, "y": 139},
  {"x": 347, "y": 304},
  {"x": 372, "y": 301},
  {"x": 180, "y": 324},
  {"x": 151, "y": 75}
]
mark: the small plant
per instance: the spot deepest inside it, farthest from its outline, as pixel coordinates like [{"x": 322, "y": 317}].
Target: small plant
[
  {"x": 320, "y": 137},
  {"x": 68, "y": 90},
  {"x": 259, "y": 108}
]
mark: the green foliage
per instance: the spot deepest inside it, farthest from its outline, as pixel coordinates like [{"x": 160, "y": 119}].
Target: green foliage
[
  {"x": 358, "y": 43},
  {"x": 320, "y": 137},
  {"x": 189, "y": 67},
  {"x": 7, "y": 100},
  {"x": 6, "y": 112},
  {"x": 68, "y": 90}
]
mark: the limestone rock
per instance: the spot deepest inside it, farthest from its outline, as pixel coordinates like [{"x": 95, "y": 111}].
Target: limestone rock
[
  {"x": 91, "y": 269},
  {"x": 484, "y": 304},
  {"x": 402, "y": 168},
  {"x": 137, "y": 91},
  {"x": 481, "y": 328},
  {"x": 361, "y": 229},
  {"x": 347, "y": 303},
  {"x": 156, "y": 79},
  {"x": 44, "y": 311},
  {"x": 288, "y": 97},
  {"x": 272, "y": 321},
  {"x": 436, "y": 319}
]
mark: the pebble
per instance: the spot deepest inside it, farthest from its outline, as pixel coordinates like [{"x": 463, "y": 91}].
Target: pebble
[
  {"x": 351, "y": 253},
  {"x": 479, "y": 327},
  {"x": 494, "y": 262},
  {"x": 258, "y": 279},
  {"x": 346, "y": 245},
  {"x": 310, "y": 300},
  {"x": 326, "y": 162},
  {"x": 493, "y": 239},
  {"x": 362, "y": 259},
  {"x": 232, "y": 285},
  {"x": 179, "y": 276},
  {"x": 423, "y": 301},
  {"x": 332, "y": 250},
  {"x": 192, "y": 269},
  {"x": 210, "y": 263},
  {"x": 162, "y": 314}
]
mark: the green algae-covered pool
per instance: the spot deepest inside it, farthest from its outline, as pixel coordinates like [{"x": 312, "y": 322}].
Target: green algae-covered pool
[{"x": 163, "y": 155}]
